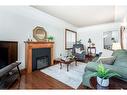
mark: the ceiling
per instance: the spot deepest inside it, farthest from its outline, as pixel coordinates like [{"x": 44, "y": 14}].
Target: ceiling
[{"x": 81, "y": 16}]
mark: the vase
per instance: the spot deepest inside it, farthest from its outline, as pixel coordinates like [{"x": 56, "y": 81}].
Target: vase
[{"x": 103, "y": 82}]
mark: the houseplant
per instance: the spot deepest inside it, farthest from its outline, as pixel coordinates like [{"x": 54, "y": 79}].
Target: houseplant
[
  {"x": 103, "y": 75},
  {"x": 79, "y": 41},
  {"x": 50, "y": 38}
]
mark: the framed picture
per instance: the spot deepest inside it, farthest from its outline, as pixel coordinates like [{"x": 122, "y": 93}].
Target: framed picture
[{"x": 70, "y": 38}]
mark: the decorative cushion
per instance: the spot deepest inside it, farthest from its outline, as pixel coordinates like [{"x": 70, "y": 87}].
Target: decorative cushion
[
  {"x": 78, "y": 50},
  {"x": 106, "y": 53},
  {"x": 107, "y": 60}
]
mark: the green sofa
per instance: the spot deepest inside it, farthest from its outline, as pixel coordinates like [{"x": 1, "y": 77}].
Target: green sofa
[{"x": 119, "y": 66}]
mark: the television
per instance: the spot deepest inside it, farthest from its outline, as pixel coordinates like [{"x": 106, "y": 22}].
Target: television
[{"x": 8, "y": 52}]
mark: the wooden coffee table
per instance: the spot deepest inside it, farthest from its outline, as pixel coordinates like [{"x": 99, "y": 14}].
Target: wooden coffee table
[
  {"x": 67, "y": 62},
  {"x": 113, "y": 84}
]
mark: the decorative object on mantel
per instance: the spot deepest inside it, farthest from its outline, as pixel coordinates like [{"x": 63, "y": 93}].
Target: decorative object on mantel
[
  {"x": 39, "y": 33},
  {"x": 30, "y": 38},
  {"x": 50, "y": 38}
]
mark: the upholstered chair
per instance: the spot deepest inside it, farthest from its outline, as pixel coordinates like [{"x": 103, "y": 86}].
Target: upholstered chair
[{"x": 78, "y": 51}]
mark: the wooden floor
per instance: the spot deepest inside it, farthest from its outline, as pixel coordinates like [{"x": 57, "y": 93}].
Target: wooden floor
[{"x": 39, "y": 80}]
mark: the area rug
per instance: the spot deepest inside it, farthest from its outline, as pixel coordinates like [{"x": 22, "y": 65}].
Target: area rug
[{"x": 72, "y": 78}]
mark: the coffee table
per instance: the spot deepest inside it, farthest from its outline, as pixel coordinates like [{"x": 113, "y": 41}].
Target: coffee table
[
  {"x": 65, "y": 61},
  {"x": 113, "y": 84}
]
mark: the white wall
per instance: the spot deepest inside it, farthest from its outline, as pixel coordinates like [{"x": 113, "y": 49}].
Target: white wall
[
  {"x": 120, "y": 13},
  {"x": 96, "y": 34},
  {"x": 17, "y": 23}
]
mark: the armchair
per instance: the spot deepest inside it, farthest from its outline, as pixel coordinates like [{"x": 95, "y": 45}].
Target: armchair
[{"x": 79, "y": 52}]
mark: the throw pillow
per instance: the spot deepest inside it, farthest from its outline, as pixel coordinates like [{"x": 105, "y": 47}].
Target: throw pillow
[
  {"x": 107, "y": 60},
  {"x": 78, "y": 50},
  {"x": 106, "y": 53}
]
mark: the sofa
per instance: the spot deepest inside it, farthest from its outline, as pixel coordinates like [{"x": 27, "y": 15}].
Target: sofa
[
  {"x": 119, "y": 66},
  {"x": 9, "y": 74}
]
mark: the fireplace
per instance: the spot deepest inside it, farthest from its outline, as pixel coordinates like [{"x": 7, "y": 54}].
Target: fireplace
[
  {"x": 41, "y": 58},
  {"x": 38, "y": 55}
]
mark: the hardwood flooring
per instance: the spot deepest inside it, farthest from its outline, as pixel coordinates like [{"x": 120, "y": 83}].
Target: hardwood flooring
[{"x": 39, "y": 80}]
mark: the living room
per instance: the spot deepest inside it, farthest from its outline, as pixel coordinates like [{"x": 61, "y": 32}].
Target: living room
[{"x": 19, "y": 22}]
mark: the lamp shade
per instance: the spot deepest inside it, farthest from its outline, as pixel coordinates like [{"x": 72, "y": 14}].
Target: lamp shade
[{"x": 116, "y": 46}]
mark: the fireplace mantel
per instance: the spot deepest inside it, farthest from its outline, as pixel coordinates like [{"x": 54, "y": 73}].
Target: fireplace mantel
[{"x": 29, "y": 45}]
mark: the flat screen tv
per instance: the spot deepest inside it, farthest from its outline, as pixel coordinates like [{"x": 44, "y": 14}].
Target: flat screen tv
[{"x": 8, "y": 52}]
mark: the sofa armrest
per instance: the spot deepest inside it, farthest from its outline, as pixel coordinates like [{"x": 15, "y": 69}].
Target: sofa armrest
[
  {"x": 106, "y": 60},
  {"x": 8, "y": 68}
]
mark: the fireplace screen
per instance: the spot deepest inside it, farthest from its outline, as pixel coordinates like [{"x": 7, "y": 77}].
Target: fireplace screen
[{"x": 42, "y": 62}]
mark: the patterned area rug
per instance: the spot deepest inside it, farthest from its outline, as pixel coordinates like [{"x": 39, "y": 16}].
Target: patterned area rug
[{"x": 72, "y": 78}]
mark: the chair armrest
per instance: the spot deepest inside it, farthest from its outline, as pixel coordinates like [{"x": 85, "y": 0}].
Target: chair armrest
[{"x": 83, "y": 52}]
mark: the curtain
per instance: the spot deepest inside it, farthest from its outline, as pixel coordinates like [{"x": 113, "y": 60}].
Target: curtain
[{"x": 125, "y": 39}]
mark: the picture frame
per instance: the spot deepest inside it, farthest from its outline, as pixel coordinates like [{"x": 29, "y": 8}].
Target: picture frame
[{"x": 70, "y": 38}]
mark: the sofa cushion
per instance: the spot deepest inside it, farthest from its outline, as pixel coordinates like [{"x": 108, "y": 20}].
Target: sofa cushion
[
  {"x": 92, "y": 66},
  {"x": 107, "y": 60},
  {"x": 120, "y": 53},
  {"x": 77, "y": 50},
  {"x": 121, "y": 61},
  {"x": 121, "y": 58}
]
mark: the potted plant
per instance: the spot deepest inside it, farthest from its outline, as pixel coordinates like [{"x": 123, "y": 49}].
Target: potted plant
[
  {"x": 50, "y": 38},
  {"x": 79, "y": 41},
  {"x": 71, "y": 57},
  {"x": 103, "y": 75}
]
